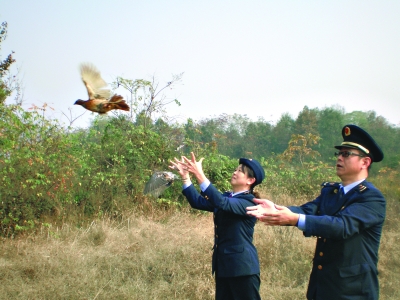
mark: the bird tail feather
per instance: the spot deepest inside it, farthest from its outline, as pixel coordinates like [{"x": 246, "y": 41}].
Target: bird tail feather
[{"x": 118, "y": 102}]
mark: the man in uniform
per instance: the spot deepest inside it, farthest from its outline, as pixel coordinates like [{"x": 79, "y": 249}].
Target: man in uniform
[{"x": 347, "y": 219}]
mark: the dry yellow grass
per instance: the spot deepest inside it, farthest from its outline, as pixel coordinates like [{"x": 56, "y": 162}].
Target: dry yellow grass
[{"x": 165, "y": 255}]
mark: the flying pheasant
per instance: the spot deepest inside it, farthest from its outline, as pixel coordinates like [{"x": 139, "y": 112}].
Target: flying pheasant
[
  {"x": 100, "y": 99},
  {"x": 159, "y": 182}
]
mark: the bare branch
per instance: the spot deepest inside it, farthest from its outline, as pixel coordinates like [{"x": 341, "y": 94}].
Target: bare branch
[{"x": 70, "y": 119}]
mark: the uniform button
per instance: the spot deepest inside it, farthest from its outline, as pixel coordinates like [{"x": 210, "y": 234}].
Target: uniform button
[
  {"x": 216, "y": 246},
  {"x": 342, "y": 207},
  {"x": 319, "y": 267},
  {"x": 321, "y": 254},
  {"x": 324, "y": 240},
  {"x": 216, "y": 235}
]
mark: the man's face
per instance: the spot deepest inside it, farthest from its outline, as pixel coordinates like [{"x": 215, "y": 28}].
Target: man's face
[{"x": 351, "y": 166}]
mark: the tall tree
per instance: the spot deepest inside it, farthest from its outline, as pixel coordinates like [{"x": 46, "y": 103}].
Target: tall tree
[
  {"x": 330, "y": 124},
  {"x": 6, "y": 79},
  {"x": 306, "y": 122},
  {"x": 386, "y": 136},
  {"x": 282, "y": 133},
  {"x": 146, "y": 98},
  {"x": 234, "y": 128},
  {"x": 356, "y": 117},
  {"x": 258, "y": 139}
]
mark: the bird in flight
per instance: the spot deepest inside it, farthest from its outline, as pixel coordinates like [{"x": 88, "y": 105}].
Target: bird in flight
[
  {"x": 100, "y": 98},
  {"x": 159, "y": 182}
]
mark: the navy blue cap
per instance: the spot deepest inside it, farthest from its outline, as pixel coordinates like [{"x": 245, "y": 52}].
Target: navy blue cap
[
  {"x": 258, "y": 170},
  {"x": 357, "y": 138}
]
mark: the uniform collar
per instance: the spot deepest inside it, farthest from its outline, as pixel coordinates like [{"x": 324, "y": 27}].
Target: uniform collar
[
  {"x": 351, "y": 185},
  {"x": 237, "y": 193}
]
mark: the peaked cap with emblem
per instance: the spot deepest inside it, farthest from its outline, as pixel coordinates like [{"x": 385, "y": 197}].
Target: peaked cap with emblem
[{"x": 357, "y": 138}]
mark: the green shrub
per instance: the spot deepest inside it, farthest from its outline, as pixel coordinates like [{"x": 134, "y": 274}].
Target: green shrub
[{"x": 36, "y": 168}]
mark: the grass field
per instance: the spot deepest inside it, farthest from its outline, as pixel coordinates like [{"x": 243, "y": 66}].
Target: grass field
[{"x": 165, "y": 254}]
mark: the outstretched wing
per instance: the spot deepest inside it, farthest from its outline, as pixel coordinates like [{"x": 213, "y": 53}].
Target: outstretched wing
[
  {"x": 158, "y": 183},
  {"x": 95, "y": 85}
]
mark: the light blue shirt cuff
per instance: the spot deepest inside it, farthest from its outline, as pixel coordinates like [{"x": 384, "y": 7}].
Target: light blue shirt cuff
[
  {"x": 301, "y": 224},
  {"x": 204, "y": 185},
  {"x": 186, "y": 185}
]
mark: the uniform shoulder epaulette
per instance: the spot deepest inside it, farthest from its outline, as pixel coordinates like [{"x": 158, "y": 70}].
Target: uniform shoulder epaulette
[
  {"x": 330, "y": 184},
  {"x": 362, "y": 187}
]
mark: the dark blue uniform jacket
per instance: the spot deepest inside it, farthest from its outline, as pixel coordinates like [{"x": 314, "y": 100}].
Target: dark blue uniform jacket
[
  {"x": 234, "y": 253},
  {"x": 348, "y": 231}
]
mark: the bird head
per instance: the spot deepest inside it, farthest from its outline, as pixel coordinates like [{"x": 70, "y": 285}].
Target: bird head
[
  {"x": 169, "y": 176},
  {"x": 79, "y": 102}
]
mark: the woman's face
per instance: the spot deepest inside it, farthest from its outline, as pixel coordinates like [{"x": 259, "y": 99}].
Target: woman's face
[{"x": 240, "y": 178}]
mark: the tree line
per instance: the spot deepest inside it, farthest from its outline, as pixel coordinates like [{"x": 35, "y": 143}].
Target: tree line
[
  {"x": 238, "y": 136},
  {"x": 47, "y": 169}
]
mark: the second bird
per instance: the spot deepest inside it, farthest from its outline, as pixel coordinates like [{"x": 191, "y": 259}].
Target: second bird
[{"x": 100, "y": 99}]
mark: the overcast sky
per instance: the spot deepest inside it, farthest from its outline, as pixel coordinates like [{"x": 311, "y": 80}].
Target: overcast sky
[{"x": 259, "y": 58}]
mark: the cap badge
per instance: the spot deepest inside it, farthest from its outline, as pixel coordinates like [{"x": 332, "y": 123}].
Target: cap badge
[{"x": 347, "y": 131}]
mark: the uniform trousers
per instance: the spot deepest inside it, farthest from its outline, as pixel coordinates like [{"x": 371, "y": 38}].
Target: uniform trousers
[{"x": 238, "y": 288}]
